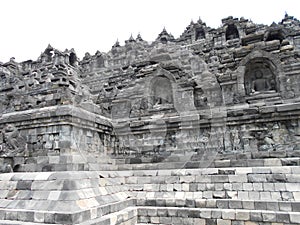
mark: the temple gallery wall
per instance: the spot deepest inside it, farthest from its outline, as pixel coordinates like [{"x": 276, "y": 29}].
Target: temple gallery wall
[{"x": 189, "y": 106}]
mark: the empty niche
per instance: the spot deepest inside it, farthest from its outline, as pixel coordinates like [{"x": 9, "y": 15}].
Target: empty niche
[
  {"x": 275, "y": 35},
  {"x": 161, "y": 91},
  {"x": 200, "y": 99},
  {"x": 231, "y": 32},
  {"x": 72, "y": 59},
  {"x": 199, "y": 33},
  {"x": 260, "y": 76}
]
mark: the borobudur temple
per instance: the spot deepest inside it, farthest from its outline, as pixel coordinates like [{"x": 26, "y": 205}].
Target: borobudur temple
[{"x": 201, "y": 129}]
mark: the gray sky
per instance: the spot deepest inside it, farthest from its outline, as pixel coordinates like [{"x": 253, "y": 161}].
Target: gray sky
[{"x": 28, "y": 26}]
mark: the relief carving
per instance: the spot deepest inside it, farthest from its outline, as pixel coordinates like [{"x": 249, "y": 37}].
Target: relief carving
[{"x": 12, "y": 143}]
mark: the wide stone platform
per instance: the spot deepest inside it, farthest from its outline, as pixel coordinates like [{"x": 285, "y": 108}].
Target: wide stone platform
[{"x": 257, "y": 194}]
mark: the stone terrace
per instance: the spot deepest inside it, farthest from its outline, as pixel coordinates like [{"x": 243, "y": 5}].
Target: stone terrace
[{"x": 202, "y": 129}]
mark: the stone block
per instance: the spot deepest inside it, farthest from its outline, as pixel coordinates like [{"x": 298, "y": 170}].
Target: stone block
[
  {"x": 295, "y": 206},
  {"x": 251, "y": 223},
  {"x": 257, "y": 178},
  {"x": 222, "y": 163},
  {"x": 243, "y": 195},
  {"x": 296, "y": 196},
  {"x": 237, "y": 186},
  {"x": 268, "y": 186},
  {"x": 272, "y": 206},
  {"x": 287, "y": 196},
  {"x": 253, "y": 195},
  {"x": 294, "y": 217},
  {"x": 205, "y": 213},
  {"x": 162, "y": 212},
  {"x": 248, "y": 204},
  {"x": 285, "y": 206},
  {"x": 151, "y": 212},
  {"x": 155, "y": 219},
  {"x": 260, "y": 205},
  {"x": 26, "y": 216},
  {"x": 219, "y": 179},
  {"x": 235, "y": 204},
  {"x": 293, "y": 178},
  {"x": 265, "y": 195},
  {"x": 276, "y": 195},
  {"x": 255, "y": 162},
  {"x": 200, "y": 203},
  {"x": 227, "y": 186},
  {"x": 232, "y": 194},
  {"x": 258, "y": 187},
  {"x": 223, "y": 222},
  {"x": 211, "y": 221},
  {"x": 222, "y": 204},
  {"x": 177, "y": 220},
  {"x": 228, "y": 214},
  {"x": 199, "y": 221},
  {"x": 237, "y": 223},
  {"x": 171, "y": 202},
  {"x": 242, "y": 215},
  {"x": 247, "y": 186},
  {"x": 256, "y": 216},
  {"x": 261, "y": 170},
  {"x": 185, "y": 187},
  {"x": 219, "y": 194},
  {"x": 241, "y": 178},
  {"x": 282, "y": 217},
  {"x": 210, "y": 187},
  {"x": 207, "y": 194},
  {"x": 216, "y": 214},
  {"x": 269, "y": 216},
  {"x": 2, "y": 215},
  {"x": 211, "y": 203},
  {"x": 172, "y": 212},
  {"x": 279, "y": 187}
]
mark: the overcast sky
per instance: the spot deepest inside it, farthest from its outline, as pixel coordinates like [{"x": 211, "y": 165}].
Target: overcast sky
[{"x": 28, "y": 26}]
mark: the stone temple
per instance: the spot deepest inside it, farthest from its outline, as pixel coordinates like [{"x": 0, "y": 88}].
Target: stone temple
[{"x": 201, "y": 129}]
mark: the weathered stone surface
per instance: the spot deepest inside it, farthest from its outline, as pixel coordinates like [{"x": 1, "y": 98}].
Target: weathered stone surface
[{"x": 163, "y": 122}]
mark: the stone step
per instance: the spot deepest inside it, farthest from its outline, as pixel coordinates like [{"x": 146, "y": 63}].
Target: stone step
[
  {"x": 124, "y": 216},
  {"x": 293, "y": 161},
  {"x": 176, "y": 216},
  {"x": 229, "y": 172},
  {"x": 80, "y": 162},
  {"x": 285, "y": 206},
  {"x": 236, "y": 195},
  {"x": 10, "y": 222},
  {"x": 59, "y": 197},
  {"x": 127, "y": 216},
  {"x": 58, "y": 214}
]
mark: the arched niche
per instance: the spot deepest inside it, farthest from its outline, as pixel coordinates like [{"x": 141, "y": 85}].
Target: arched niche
[
  {"x": 276, "y": 34},
  {"x": 231, "y": 32},
  {"x": 199, "y": 33},
  {"x": 200, "y": 99},
  {"x": 260, "y": 76},
  {"x": 265, "y": 62},
  {"x": 161, "y": 91},
  {"x": 73, "y": 59}
]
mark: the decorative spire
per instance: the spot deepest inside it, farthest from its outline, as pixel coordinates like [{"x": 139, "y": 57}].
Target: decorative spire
[
  {"x": 199, "y": 20},
  {"x": 117, "y": 44},
  {"x": 164, "y": 36},
  {"x": 131, "y": 39},
  {"x": 139, "y": 37}
]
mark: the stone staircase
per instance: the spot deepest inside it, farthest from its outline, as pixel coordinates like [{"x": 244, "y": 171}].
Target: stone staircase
[
  {"x": 63, "y": 198},
  {"x": 261, "y": 188},
  {"x": 247, "y": 189}
]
